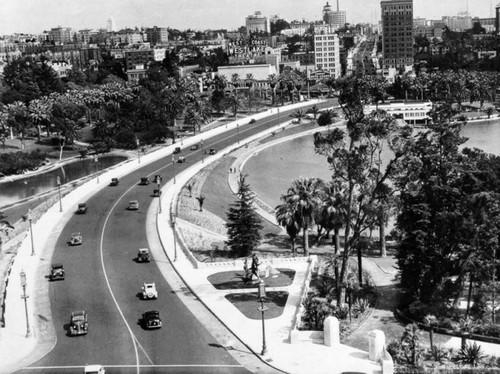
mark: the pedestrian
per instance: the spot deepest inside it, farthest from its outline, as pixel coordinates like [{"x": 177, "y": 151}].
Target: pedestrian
[
  {"x": 230, "y": 170},
  {"x": 255, "y": 265},
  {"x": 190, "y": 189}
]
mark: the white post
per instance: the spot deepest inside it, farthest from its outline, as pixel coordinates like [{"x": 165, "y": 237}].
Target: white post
[{"x": 332, "y": 332}]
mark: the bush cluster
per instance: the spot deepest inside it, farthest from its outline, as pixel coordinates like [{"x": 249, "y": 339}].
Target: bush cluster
[{"x": 19, "y": 162}]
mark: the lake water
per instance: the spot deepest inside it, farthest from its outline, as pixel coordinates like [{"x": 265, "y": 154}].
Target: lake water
[
  {"x": 19, "y": 189},
  {"x": 271, "y": 171}
]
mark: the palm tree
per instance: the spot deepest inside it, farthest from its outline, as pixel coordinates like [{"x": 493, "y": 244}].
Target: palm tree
[
  {"x": 299, "y": 114},
  {"x": 235, "y": 80},
  {"x": 102, "y": 130},
  {"x": 273, "y": 81},
  {"x": 39, "y": 113},
  {"x": 285, "y": 217},
  {"x": 233, "y": 101},
  {"x": 304, "y": 198},
  {"x": 314, "y": 110}
]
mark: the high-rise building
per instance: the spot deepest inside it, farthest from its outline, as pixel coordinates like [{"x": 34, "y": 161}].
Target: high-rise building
[
  {"x": 61, "y": 35},
  {"x": 397, "y": 37},
  {"x": 334, "y": 18},
  {"x": 497, "y": 18},
  {"x": 157, "y": 35},
  {"x": 257, "y": 22},
  {"x": 327, "y": 51},
  {"x": 110, "y": 25}
]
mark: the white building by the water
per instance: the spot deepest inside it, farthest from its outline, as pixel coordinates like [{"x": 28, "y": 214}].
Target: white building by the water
[{"x": 412, "y": 112}]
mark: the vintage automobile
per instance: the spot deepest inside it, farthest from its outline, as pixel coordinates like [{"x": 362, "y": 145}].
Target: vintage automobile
[
  {"x": 143, "y": 255},
  {"x": 158, "y": 179},
  {"x": 144, "y": 181},
  {"x": 114, "y": 182},
  {"x": 94, "y": 369},
  {"x": 177, "y": 150},
  {"x": 133, "y": 205},
  {"x": 156, "y": 192},
  {"x": 181, "y": 159},
  {"x": 151, "y": 319},
  {"x": 82, "y": 208},
  {"x": 149, "y": 291},
  {"x": 78, "y": 324},
  {"x": 212, "y": 151},
  {"x": 56, "y": 272},
  {"x": 76, "y": 239},
  {"x": 195, "y": 147}
]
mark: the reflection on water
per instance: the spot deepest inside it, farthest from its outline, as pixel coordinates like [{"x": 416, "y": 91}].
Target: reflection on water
[
  {"x": 15, "y": 190},
  {"x": 271, "y": 171}
]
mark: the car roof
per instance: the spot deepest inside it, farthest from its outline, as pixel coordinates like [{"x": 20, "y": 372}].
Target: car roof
[
  {"x": 75, "y": 233},
  {"x": 133, "y": 202},
  {"x": 142, "y": 250},
  {"x": 78, "y": 313},
  {"x": 152, "y": 313},
  {"x": 82, "y": 204},
  {"x": 55, "y": 266},
  {"x": 93, "y": 368},
  {"x": 149, "y": 284}
]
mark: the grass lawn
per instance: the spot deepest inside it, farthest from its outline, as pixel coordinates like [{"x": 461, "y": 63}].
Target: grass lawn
[
  {"x": 230, "y": 280},
  {"x": 249, "y": 304}
]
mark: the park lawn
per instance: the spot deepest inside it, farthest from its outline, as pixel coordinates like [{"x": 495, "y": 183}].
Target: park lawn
[
  {"x": 248, "y": 304},
  {"x": 231, "y": 280}
]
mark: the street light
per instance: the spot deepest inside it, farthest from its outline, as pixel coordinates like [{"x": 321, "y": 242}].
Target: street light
[
  {"x": 172, "y": 220},
  {"x": 96, "y": 161},
  {"x": 25, "y": 297},
  {"x": 30, "y": 219},
  {"x": 137, "y": 142},
  {"x": 262, "y": 308},
  {"x": 59, "y": 191},
  {"x": 158, "y": 181},
  {"x": 173, "y": 166}
]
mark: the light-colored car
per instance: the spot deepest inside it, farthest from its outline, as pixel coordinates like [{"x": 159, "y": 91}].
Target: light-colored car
[
  {"x": 133, "y": 205},
  {"x": 149, "y": 291},
  {"x": 76, "y": 239},
  {"x": 94, "y": 369}
]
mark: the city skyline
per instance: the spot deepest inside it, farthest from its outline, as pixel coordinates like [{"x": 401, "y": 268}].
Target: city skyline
[{"x": 200, "y": 14}]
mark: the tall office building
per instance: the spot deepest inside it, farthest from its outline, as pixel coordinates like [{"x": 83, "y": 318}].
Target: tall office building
[
  {"x": 61, "y": 35},
  {"x": 110, "y": 25},
  {"x": 257, "y": 22},
  {"x": 157, "y": 35},
  {"x": 397, "y": 37},
  {"x": 497, "y": 18},
  {"x": 327, "y": 51},
  {"x": 334, "y": 18}
]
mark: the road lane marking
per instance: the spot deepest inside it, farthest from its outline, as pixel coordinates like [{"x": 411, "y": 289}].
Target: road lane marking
[{"x": 132, "y": 366}]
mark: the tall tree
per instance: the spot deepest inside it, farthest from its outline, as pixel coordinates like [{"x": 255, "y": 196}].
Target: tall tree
[{"x": 244, "y": 224}]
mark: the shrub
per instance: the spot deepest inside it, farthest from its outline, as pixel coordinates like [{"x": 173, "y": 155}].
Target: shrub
[
  {"x": 341, "y": 312},
  {"x": 394, "y": 349},
  {"x": 471, "y": 354},
  {"x": 83, "y": 152},
  {"x": 361, "y": 305},
  {"x": 316, "y": 310},
  {"x": 487, "y": 329},
  {"x": 410, "y": 344},
  {"x": 438, "y": 354}
]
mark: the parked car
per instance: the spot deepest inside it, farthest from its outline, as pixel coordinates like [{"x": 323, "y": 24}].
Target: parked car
[
  {"x": 94, "y": 369},
  {"x": 57, "y": 272},
  {"x": 252, "y": 121},
  {"x": 149, "y": 291},
  {"x": 195, "y": 147},
  {"x": 143, "y": 255},
  {"x": 144, "y": 181},
  {"x": 82, "y": 208},
  {"x": 212, "y": 151},
  {"x": 78, "y": 324},
  {"x": 181, "y": 160},
  {"x": 177, "y": 150},
  {"x": 114, "y": 182},
  {"x": 156, "y": 192},
  {"x": 133, "y": 205},
  {"x": 76, "y": 239},
  {"x": 151, "y": 319}
]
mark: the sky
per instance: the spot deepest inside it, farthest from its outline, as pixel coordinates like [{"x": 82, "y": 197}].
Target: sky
[{"x": 35, "y": 16}]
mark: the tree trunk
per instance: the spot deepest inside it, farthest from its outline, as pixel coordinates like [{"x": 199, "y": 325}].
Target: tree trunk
[
  {"x": 306, "y": 242},
  {"x": 383, "y": 247},
  {"x": 336, "y": 240},
  {"x": 469, "y": 296},
  {"x": 292, "y": 240},
  {"x": 360, "y": 266}
]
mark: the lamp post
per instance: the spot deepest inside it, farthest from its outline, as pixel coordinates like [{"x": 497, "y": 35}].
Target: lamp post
[
  {"x": 25, "y": 297},
  {"x": 238, "y": 132},
  {"x": 96, "y": 161},
  {"x": 262, "y": 308},
  {"x": 172, "y": 220},
  {"x": 158, "y": 181},
  {"x": 59, "y": 191},
  {"x": 30, "y": 219},
  {"x": 138, "y": 143},
  {"x": 202, "y": 152},
  {"x": 173, "y": 166}
]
